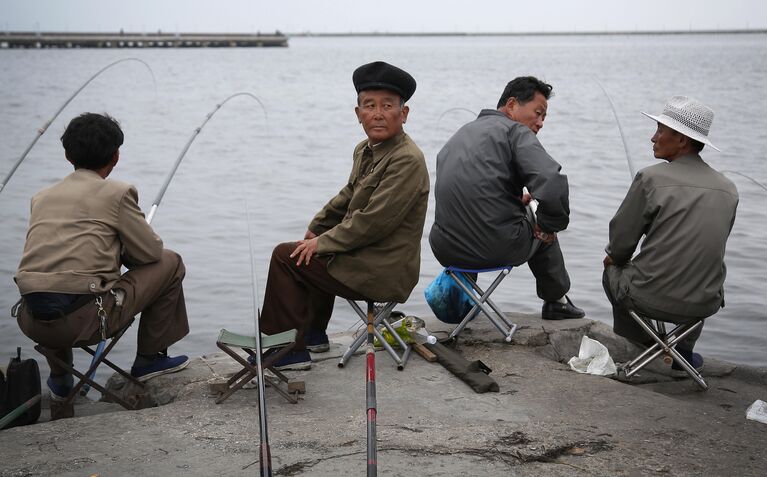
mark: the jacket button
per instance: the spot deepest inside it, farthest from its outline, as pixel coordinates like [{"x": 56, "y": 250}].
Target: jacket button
[{"x": 93, "y": 286}]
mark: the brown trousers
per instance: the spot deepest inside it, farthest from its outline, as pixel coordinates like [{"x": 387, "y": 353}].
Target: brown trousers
[
  {"x": 154, "y": 290},
  {"x": 299, "y": 297}
]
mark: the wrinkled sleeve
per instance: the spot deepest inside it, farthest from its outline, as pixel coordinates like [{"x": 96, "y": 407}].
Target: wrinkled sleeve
[
  {"x": 140, "y": 245},
  {"x": 630, "y": 222},
  {"x": 333, "y": 212},
  {"x": 541, "y": 174},
  {"x": 399, "y": 189}
]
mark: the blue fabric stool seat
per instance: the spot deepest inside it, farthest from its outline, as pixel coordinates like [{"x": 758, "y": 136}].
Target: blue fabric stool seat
[{"x": 481, "y": 298}]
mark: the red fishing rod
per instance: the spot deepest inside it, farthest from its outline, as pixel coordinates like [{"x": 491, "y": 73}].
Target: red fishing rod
[{"x": 370, "y": 374}]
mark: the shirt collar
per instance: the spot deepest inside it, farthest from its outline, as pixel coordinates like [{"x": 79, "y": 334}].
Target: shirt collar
[{"x": 383, "y": 148}]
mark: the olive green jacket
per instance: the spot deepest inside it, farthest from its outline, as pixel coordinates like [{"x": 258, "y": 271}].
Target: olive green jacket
[{"x": 372, "y": 229}]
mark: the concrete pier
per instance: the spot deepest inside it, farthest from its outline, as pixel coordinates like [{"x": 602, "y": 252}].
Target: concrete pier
[
  {"x": 140, "y": 40},
  {"x": 545, "y": 420}
]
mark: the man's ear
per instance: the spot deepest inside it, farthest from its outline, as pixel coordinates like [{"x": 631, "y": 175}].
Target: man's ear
[
  {"x": 405, "y": 110},
  {"x": 357, "y": 112},
  {"x": 116, "y": 158}
]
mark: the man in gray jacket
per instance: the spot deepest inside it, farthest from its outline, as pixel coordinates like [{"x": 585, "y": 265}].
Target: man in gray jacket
[
  {"x": 685, "y": 210},
  {"x": 480, "y": 219}
]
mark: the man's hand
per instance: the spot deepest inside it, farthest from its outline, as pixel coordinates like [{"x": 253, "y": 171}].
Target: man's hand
[
  {"x": 526, "y": 198},
  {"x": 309, "y": 235},
  {"x": 607, "y": 261},
  {"x": 305, "y": 250},
  {"x": 544, "y": 237}
]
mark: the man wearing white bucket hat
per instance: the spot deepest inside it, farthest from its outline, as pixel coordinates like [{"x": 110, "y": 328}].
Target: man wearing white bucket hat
[{"x": 685, "y": 210}]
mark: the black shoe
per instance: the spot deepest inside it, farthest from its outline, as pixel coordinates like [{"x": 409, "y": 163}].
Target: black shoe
[
  {"x": 695, "y": 360},
  {"x": 316, "y": 341},
  {"x": 294, "y": 360},
  {"x": 554, "y": 310}
]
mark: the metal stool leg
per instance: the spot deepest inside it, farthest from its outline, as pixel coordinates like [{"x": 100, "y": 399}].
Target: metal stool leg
[
  {"x": 380, "y": 319},
  {"x": 493, "y": 313}
]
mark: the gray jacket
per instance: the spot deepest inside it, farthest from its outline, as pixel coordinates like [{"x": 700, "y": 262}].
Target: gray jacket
[
  {"x": 480, "y": 218},
  {"x": 685, "y": 211}
]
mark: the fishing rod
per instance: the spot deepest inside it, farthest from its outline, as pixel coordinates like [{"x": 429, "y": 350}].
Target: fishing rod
[
  {"x": 102, "y": 344},
  {"x": 620, "y": 128},
  {"x": 451, "y": 110},
  {"x": 172, "y": 172},
  {"x": 747, "y": 177},
  {"x": 42, "y": 130},
  {"x": 264, "y": 454},
  {"x": 370, "y": 391}
]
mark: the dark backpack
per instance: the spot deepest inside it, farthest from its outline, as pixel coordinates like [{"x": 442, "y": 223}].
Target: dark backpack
[{"x": 21, "y": 383}]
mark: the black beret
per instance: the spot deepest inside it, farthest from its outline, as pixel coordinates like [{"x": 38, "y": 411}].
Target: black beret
[{"x": 381, "y": 75}]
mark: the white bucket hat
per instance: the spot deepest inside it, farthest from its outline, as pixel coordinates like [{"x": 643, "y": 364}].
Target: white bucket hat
[{"x": 687, "y": 116}]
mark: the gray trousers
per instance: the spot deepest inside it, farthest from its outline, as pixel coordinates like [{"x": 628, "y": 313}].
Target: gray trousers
[
  {"x": 154, "y": 290},
  {"x": 616, "y": 284}
]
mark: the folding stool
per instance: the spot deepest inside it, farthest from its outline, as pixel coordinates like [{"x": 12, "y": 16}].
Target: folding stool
[
  {"x": 665, "y": 343},
  {"x": 284, "y": 342},
  {"x": 482, "y": 299},
  {"x": 87, "y": 378},
  {"x": 380, "y": 319}
]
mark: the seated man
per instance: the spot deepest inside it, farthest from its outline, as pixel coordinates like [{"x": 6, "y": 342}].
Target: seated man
[
  {"x": 685, "y": 210},
  {"x": 81, "y": 230},
  {"x": 366, "y": 242},
  {"x": 480, "y": 219}
]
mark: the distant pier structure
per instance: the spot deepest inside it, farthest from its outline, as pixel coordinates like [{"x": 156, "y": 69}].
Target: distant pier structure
[{"x": 140, "y": 40}]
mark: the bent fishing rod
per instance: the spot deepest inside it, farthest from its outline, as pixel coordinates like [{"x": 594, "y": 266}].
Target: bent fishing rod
[
  {"x": 620, "y": 128},
  {"x": 42, "y": 130},
  {"x": 195, "y": 133},
  {"x": 264, "y": 453},
  {"x": 100, "y": 347},
  {"x": 451, "y": 110}
]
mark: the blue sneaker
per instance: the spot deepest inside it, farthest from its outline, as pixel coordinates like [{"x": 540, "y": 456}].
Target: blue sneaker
[
  {"x": 60, "y": 392},
  {"x": 293, "y": 361},
  {"x": 316, "y": 341},
  {"x": 162, "y": 364}
]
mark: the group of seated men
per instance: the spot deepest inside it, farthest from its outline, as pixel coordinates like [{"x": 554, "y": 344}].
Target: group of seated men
[{"x": 364, "y": 244}]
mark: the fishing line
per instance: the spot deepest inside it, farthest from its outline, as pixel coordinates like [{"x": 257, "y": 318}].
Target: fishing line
[
  {"x": 747, "y": 177},
  {"x": 620, "y": 128},
  {"x": 194, "y": 135},
  {"x": 42, "y": 130},
  {"x": 451, "y": 110}
]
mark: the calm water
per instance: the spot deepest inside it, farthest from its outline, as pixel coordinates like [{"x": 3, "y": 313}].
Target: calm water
[{"x": 288, "y": 160}]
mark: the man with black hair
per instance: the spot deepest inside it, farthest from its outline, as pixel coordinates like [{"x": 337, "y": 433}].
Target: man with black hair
[
  {"x": 480, "y": 219},
  {"x": 81, "y": 231}
]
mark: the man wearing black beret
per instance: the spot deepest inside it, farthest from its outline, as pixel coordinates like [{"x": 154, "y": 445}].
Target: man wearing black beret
[{"x": 365, "y": 244}]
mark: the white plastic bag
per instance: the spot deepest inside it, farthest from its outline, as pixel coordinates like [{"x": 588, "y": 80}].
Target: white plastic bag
[
  {"x": 593, "y": 358},
  {"x": 757, "y": 411}
]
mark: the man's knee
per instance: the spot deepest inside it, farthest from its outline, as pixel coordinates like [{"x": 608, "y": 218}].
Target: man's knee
[{"x": 282, "y": 251}]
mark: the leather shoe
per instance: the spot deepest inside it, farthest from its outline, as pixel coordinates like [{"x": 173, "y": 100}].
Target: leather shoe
[{"x": 554, "y": 310}]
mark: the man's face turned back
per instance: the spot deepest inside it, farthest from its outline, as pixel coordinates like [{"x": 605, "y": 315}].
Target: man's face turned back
[
  {"x": 380, "y": 114},
  {"x": 531, "y": 114}
]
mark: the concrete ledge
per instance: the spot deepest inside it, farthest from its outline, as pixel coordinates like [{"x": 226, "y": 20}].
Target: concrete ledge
[{"x": 546, "y": 419}]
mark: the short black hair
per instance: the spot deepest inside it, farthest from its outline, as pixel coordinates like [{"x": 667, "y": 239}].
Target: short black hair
[
  {"x": 524, "y": 88},
  {"x": 91, "y": 140},
  {"x": 697, "y": 146}
]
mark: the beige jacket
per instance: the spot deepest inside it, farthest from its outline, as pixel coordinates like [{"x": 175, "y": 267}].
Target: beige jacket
[
  {"x": 373, "y": 227},
  {"x": 81, "y": 230}
]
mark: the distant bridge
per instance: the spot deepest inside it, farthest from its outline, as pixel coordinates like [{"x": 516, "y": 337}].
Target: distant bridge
[{"x": 139, "y": 40}]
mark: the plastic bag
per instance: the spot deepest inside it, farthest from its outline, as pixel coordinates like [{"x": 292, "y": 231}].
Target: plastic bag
[
  {"x": 757, "y": 411},
  {"x": 593, "y": 358},
  {"x": 447, "y": 300}
]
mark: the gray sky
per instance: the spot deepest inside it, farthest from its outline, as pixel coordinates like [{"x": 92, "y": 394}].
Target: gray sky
[{"x": 295, "y": 16}]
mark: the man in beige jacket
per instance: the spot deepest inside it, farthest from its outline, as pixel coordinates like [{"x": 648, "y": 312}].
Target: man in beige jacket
[{"x": 81, "y": 231}]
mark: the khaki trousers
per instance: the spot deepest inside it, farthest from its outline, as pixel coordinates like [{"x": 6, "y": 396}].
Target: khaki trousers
[{"x": 154, "y": 290}]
